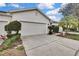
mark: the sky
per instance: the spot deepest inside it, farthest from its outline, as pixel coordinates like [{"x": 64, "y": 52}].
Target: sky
[{"x": 49, "y": 9}]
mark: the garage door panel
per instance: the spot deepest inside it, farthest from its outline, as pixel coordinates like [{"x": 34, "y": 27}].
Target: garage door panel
[{"x": 33, "y": 28}]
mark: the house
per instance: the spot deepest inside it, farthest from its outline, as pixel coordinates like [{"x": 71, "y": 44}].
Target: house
[
  {"x": 33, "y": 21},
  {"x": 54, "y": 23}
]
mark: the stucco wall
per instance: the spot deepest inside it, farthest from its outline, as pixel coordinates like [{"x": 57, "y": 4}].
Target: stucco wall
[
  {"x": 3, "y": 21},
  {"x": 2, "y": 24},
  {"x": 5, "y": 18},
  {"x": 32, "y": 16}
]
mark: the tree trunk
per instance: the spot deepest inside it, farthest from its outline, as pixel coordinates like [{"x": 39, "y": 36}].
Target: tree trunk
[
  {"x": 8, "y": 32},
  {"x": 78, "y": 25},
  {"x": 17, "y": 32},
  {"x": 67, "y": 29}
]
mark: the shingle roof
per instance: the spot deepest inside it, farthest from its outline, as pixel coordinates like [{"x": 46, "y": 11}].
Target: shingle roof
[{"x": 21, "y": 10}]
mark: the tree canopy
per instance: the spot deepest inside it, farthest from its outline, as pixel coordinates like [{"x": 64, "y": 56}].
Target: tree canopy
[
  {"x": 70, "y": 9},
  {"x": 68, "y": 22},
  {"x": 13, "y": 26}
]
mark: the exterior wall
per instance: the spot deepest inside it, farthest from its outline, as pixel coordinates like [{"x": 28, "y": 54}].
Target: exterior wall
[
  {"x": 31, "y": 16},
  {"x": 3, "y": 21},
  {"x": 5, "y": 18},
  {"x": 2, "y": 24}
]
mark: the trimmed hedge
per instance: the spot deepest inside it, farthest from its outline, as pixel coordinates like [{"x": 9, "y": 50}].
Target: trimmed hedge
[
  {"x": 50, "y": 30},
  {"x": 13, "y": 26},
  {"x": 55, "y": 29}
]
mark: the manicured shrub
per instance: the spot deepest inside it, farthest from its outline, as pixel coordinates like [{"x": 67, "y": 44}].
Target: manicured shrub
[
  {"x": 50, "y": 30},
  {"x": 8, "y": 29},
  {"x": 56, "y": 29},
  {"x": 13, "y": 26}
]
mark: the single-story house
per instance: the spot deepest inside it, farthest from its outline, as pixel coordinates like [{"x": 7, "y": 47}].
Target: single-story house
[{"x": 33, "y": 21}]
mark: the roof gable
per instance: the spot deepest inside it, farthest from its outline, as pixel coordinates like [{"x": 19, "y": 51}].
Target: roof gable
[{"x": 24, "y": 10}]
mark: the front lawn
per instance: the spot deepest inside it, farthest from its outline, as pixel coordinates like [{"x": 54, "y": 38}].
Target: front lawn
[{"x": 72, "y": 36}]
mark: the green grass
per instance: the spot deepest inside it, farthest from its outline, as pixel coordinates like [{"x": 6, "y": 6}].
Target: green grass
[
  {"x": 73, "y": 36},
  {"x": 20, "y": 48}
]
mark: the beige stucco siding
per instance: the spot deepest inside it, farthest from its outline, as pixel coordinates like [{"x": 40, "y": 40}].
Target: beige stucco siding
[
  {"x": 3, "y": 21},
  {"x": 2, "y": 24},
  {"x": 32, "y": 16},
  {"x": 5, "y": 18}
]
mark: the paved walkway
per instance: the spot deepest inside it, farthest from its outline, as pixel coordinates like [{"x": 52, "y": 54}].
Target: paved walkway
[{"x": 50, "y": 45}]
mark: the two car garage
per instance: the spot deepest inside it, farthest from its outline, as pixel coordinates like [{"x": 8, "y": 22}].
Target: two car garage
[
  {"x": 33, "y": 28},
  {"x": 33, "y": 22}
]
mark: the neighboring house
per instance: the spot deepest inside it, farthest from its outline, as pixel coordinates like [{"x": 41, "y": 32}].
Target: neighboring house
[
  {"x": 54, "y": 23},
  {"x": 33, "y": 21}
]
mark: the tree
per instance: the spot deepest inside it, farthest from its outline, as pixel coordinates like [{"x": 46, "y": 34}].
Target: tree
[
  {"x": 13, "y": 26},
  {"x": 50, "y": 29},
  {"x": 71, "y": 9},
  {"x": 68, "y": 22}
]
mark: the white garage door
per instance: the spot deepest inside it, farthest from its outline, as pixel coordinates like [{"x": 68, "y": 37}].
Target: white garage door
[
  {"x": 2, "y": 24},
  {"x": 33, "y": 28}
]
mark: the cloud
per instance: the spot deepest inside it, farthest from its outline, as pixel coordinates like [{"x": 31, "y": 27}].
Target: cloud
[
  {"x": 53, "y": 12},
  {"x": 15, "y": 5},
  {"x": 55, "y": 18},
  {"x": 45, "y": 5},
  {"x": 2, "y": 4},
  {"x": 11, "y": 4}
]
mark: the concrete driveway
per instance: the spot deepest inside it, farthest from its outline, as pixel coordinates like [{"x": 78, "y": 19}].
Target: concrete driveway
[{"x": 50, "y": 45}]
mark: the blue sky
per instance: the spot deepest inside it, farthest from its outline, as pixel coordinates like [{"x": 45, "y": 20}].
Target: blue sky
[{"x": 50, "y": 9}]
